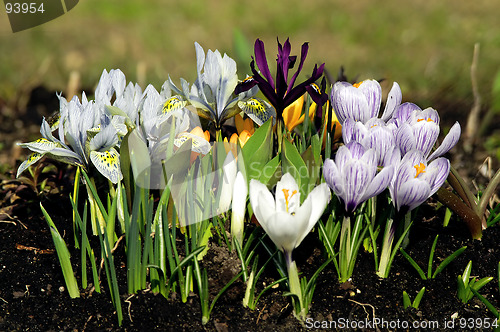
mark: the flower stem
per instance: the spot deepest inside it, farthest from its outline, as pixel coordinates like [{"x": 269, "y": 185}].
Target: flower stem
[{"x": 294, "y": 283}]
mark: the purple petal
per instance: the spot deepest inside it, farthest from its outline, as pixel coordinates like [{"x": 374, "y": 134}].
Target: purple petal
[
  {"x": 382, "y": 141},
  {"x": 245, "y": 85},
  {"x": 393, "y": 100},
  {"x": 332, "y": 177},
  {"x": 373, "y": 93},
  {"x": 303, "y": 55},
  {"x": 343, "y": 156},
  {"x": 442, "y": 168},
  {"x": 379, "y": 183},
  {"x": 300, "y": 89},
  {"x": 406, "y": 169},
  {"x": 260, "y": 58},
  {"x": 412, "y": 193},
  {"x": 449, "y": 142},
  {"x": 356, "y": 177},
  {"x": 357, "y": 150},
  {"x": 429, "y": 114},
  {"x": 426, "y": 134},
  {"x": 348, "y": 130},
  {"x": 349, "y": 102},
  {"x": 264, "y": 86},
  {"x": 403, "y": 113},
  {"x": 360, "y": 132},
  {"x": 405, "y": 139}
]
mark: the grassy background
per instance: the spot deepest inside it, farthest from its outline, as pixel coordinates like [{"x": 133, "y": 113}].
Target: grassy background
[{"x": 426, "y": 46}]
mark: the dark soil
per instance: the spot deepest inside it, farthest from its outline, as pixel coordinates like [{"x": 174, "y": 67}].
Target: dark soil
[{"x": 33, "y": 295}]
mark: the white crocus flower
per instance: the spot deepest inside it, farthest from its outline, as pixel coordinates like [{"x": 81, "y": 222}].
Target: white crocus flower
[
  {"x": 240, "y": 193},
  {"x": 287, "y": 222},
  {"x": 283, "y": 218}
]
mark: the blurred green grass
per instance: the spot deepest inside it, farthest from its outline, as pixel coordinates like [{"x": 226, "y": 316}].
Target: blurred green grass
[{"x": 426, "y": 46}]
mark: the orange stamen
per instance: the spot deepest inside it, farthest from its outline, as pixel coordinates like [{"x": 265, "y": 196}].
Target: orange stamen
[
  {"x": 428, "y": 120},
  {"x": 420, "y": 169},
  {"x": 287, "y": 198},
  {"x": 356, "y": 85}
]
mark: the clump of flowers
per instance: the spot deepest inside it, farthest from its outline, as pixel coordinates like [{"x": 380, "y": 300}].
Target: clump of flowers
[{"x": 153, "y": 148}]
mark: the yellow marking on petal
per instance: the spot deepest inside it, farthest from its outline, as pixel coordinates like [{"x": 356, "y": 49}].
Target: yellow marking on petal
[
  {"x": 315, "y": 87},
  {"x": 249, "y": 78},
  {"x": 420, "y": 169},
  {"x": 356, "y": 85},
  {"x": 172, "y": 104},
  {"x": 287, "y": 198}
]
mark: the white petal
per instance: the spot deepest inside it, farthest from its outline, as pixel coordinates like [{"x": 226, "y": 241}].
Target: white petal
[
  {"x": 319, "y": 197},
  {"x": 393, "y": 100},
  {"x": 257, "y": 189},
  {"x": 228, "y": 176}
]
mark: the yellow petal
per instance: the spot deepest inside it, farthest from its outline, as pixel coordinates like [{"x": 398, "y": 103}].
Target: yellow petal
[
  {"x": 291, "y": 114},
  {"x": 240, "y": 124},
  {"x": 244, "y": 136}
]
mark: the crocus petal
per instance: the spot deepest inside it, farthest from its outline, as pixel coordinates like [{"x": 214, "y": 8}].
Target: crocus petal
[
  {"x": 379, "y": 183},
  {"x": 373, "y": 92},
  {"x": 285, "y": 229},
  {"x": 412, "y": 193},
  {"x": 426, "y": 134},
  {"x": 403, "y": 113},
  {"x": 449, "y": 142},
  {"x": 257, "y": 189},
  {"x": 382, "y": 141},
  {"x": 260, "y": 58},
  {"x": 393, "y": 101},
  {"x": 348, "y": 130},
  {"x": 442, "y": 169},
  {"x": 319, "y": 197},
  {"x": 238, "y": 206},
  {"x": 429, "y": 114},
  {"x": 332, "y": 177},
  {"x": 405, "y": 139},
  {"x": 289, "y": 185},
  {"x": 356, "y": 149},
  {"x": 228, "y": 176},
  {"x": 291, "y": 113},
  {"x": 356, "y": 178},
  {"x": 349, "y": 102}
]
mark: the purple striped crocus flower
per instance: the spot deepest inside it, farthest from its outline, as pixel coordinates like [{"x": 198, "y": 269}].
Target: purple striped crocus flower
[
  {"x": 416, "y": 180},
  {"x": 361, "y": 101},
  {"x": 353, "y": 175},
  {"x": 419, "y": 129},
  {"x": 374, "y": 134}
]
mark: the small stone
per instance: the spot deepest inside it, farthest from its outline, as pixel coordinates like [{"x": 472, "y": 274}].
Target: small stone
[{"x": 61, "y": 289}]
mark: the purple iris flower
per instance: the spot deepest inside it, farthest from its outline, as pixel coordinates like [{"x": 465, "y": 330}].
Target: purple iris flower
[
  {"x": 419, "y": 130},
  {"x": 361, "y": 101},
  {"x": 353, "y": 175},
  {"x": 279, "y": 91},
  {"x": 416, "y": 180}
]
